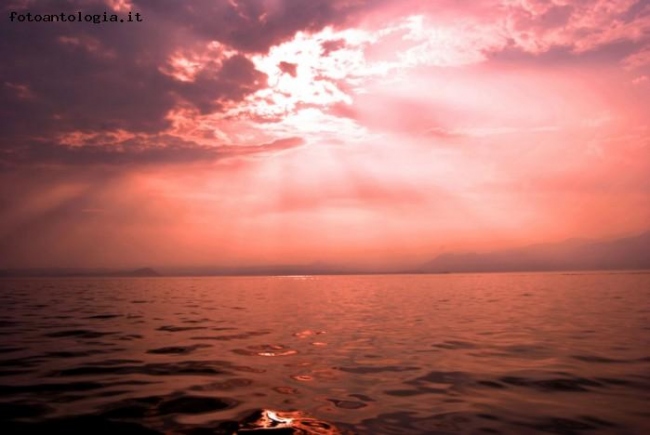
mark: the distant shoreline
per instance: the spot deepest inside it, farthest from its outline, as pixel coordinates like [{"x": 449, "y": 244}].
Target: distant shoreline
[
  {"x": 625, "y": 254},
  {"x": 10, "y": 275}
]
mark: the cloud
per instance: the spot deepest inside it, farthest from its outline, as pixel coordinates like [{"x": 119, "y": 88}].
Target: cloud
[
  {"x": 288, "y": 68},
  {"x": 92, "y": 78},
  {"x": 637, "y": 60},
  {"x": 537, "y": 26},
  {"x": 222, "y": 56},
  {"x": 119, "y": 149},
  {"x": 91, "y": 95}
]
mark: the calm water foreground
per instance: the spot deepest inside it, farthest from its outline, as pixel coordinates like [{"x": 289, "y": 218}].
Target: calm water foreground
[{"x": 437, "y": 354}]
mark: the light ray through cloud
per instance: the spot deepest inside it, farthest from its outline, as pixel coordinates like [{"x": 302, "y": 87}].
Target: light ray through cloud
[{"x": 231, "y": 132}]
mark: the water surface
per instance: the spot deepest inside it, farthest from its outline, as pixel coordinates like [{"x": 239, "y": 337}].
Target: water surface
[{"x": 477, "y": 353}]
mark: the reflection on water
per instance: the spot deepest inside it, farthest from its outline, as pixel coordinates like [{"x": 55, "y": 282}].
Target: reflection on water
[
  {"x": 285, "y": 422},
  {"x": 499, "y": 353}
]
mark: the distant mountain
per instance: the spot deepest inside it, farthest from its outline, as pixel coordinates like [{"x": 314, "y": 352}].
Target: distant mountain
[
  {"x": 573, "y": 254},
  {"x": 632, "y": 253},
  {"x": 269, "y": 270},
  {"x": 142, "y": 272}
]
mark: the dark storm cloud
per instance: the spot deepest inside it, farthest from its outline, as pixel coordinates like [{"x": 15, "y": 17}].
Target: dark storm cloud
[
  {"x": 236, "y": 78},
  {"x": 139, "y": 151},
  {"x": 109, "y": 79},
  {"x": 256, "y": 25},
  {"x": 63, "y": 77}
]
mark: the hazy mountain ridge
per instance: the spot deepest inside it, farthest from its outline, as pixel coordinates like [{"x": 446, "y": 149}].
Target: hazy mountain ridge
[
  {"x": 70, "y": 272},
  {"x": 574, "y": 254},
  {"x": 266, "y": 270},
  {"x": 631, "y": 253}
]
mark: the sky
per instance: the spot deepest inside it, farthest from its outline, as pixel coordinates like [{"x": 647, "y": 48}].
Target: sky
[{"x": 378, "y": 132}]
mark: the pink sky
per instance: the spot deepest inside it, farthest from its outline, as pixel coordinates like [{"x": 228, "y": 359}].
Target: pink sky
[{"x": 276, "y": 132}]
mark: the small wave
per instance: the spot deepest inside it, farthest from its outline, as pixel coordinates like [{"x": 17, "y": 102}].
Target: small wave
[
  {"x": 194, "y": 405},
  {"x": 155, "y": 406},
  {"x": 51, "y": 387},
  {"x": 348, "y": 404},
  {"x": 78, "y": 333},
  {"x": 307, "y": 333},
  {"x": 559, "y": 425},
  {"x": 73, "y": 354},
  {"x": 161, "y": 369},
  {"x": 451, "y": 378},
  {"x": 556, "y": 384},
  {"x": 605, "y": 360},
  {"x": 377, "y": 369},
  {"x": 285, "y": 390},
  {"x": 85, "y": 424},
  {"x": 455, "y": 344},
  {"x": 228, "y": 337},
  {"x": 171, "y": 328},
  {"x": 103, "y": 316},
  {"x": 177, "y": 350},
  {"x": 266, "y": 350},
  {"x": 230, "y": 384}
]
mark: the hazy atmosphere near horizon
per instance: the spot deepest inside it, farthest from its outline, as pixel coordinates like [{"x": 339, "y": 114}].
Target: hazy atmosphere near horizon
[{"x": 362, "y": 133}]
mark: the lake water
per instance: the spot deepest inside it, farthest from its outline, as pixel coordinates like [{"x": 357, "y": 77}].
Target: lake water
[{"x": 432, "y": 354}]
